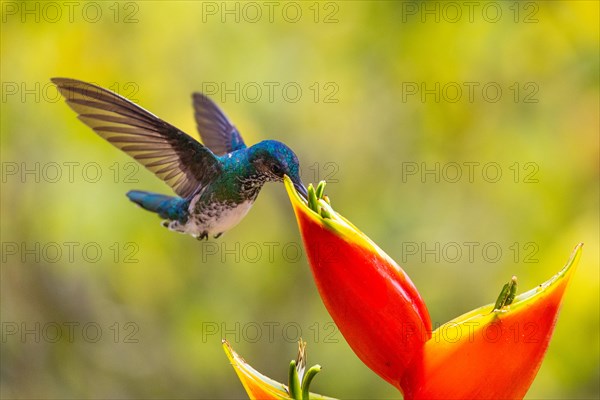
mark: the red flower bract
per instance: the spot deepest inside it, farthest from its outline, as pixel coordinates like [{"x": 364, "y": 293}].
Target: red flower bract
[{"x": 371, "y": 299}]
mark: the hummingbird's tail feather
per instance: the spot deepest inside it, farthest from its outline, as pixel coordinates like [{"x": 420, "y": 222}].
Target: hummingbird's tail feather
[{"x": 174, "y": 208}]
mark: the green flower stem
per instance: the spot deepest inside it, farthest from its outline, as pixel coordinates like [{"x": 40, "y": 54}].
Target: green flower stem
[
  {"x": 308, "y": 377},
  {"x": 294, "y": 386}
]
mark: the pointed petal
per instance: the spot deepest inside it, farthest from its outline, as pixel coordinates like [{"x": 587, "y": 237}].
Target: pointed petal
[
  {"x": 257, "y": 385},
  {"x": 371, "y": 299},
  {"x": 487, "y": 354}
]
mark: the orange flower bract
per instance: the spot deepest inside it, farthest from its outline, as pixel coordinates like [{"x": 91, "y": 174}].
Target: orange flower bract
[{"x": 487, "y": 354}]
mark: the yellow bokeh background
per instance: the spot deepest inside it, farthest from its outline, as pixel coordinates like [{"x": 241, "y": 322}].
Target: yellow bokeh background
[{"x": 409, "y": 109}]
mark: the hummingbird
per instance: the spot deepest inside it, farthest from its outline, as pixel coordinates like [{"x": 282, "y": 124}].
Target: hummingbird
[{"x": 216, "y": 183}]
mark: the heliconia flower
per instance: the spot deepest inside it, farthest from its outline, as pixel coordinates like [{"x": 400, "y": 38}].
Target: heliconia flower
[
  {"x": 493, "y": 352},
  {"x": 261, "y": 387},
  {"x": 370, "y": 298}
]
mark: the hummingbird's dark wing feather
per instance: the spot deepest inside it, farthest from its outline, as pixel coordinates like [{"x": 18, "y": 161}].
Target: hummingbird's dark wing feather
[
  {"x": 175, "y": 157},
  {"x": 216, "y": 131}
]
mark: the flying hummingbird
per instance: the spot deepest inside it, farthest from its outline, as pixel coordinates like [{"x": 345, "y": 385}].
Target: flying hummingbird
[{"x": 216, "y": 183}]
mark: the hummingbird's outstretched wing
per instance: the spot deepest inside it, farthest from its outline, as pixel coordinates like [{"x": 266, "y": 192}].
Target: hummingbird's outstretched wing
[
  {"x": 216, "y": 131},
  {"x": 175, "y": 157}
]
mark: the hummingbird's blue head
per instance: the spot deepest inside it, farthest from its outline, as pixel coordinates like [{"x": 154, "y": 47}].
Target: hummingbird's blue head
[{"x": 273, "y": 160}]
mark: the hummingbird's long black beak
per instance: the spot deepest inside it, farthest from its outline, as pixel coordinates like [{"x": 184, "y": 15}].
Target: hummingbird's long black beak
[{"x": 301, "y": 189}]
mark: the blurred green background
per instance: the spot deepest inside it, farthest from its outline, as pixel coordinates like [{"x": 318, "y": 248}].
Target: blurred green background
[{"x": 99, "y": 301}]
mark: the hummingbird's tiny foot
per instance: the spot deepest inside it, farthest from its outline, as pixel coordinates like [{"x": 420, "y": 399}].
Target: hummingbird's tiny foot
[
  {"x": 165, "y": 223},
  {"x": 218, "y": 235},
  {"x": 203, "y": 235}
]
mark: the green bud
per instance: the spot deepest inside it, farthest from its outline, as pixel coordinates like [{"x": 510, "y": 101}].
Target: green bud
[
  {"x": 312, "y": 198},
  {"x": 308, "y": 377},
  {"x": 294, "y": 387},
  {"x": 513, "y": 291},
  {"x": 325, "y": 211},
  {"x": 507, "y": 294},
  {"x": 320, "y": 189}
]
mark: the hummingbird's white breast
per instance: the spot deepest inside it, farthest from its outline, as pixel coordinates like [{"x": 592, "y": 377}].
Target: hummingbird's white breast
[{"x": 213, "y": 219}]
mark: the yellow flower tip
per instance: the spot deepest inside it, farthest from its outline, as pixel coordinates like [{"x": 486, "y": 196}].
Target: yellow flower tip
[
  {"x": 257, "y": 385},
  {"x": 227, "y": 348},
  {"x": 553, "y": 284},
  {"x": 291, "y": 190},
  {"x": 329, "y": 219}
]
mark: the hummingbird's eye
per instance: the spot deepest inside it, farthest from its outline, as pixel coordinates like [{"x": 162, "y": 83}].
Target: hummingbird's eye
[{"x": 276, "y": 169}]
